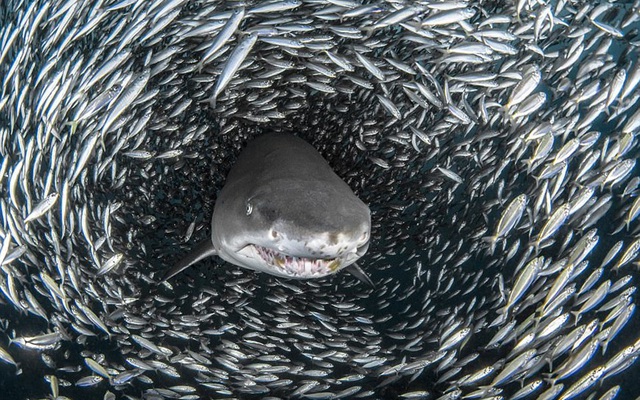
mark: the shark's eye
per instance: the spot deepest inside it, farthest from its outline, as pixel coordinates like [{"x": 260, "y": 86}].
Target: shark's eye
[{"x": 249, "y": 208}]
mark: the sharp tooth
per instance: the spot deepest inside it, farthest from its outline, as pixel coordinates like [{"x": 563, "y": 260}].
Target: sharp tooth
[
  {"x": 279, "y": 262},
  {"x": 333, "y": 265},
  {"x": 308, "y": 267}
]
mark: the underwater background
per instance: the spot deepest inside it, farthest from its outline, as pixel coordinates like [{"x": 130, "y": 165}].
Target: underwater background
[{"x": 495, "y": 143}]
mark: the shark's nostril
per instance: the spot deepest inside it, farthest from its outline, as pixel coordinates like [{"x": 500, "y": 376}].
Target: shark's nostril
[{"x": 334, "y": 237}]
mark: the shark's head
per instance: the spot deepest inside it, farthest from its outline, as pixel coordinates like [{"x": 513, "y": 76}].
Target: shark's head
[
  {"x": 285, "y": 212},
  {"x": 292, "y": 228}
]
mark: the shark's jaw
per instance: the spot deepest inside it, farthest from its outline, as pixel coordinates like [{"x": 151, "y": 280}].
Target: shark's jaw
[
  {"x": 288, "y": 254},
  {"x": 275, "y": 262}
]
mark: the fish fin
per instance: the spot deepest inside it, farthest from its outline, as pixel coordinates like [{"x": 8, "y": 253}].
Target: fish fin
[
  {"x": 202, "y": 250},
  {"x": 362, "y": 276}
]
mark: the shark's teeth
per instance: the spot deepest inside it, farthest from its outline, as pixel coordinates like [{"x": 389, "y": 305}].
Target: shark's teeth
[{"x": 298, "y": 266}]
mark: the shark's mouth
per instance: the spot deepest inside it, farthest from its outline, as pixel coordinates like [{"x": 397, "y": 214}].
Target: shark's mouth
[{"x": 297, "y": 266}]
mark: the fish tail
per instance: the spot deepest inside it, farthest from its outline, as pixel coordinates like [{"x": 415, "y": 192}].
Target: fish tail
[
  {"x": 73, "y": 125},
  {"x": 529, "y": 164},
  {"x": 512, "y": 119},
  {"x": 492, "y": 240},
  {"x": 577, "y": 316},
  {"x": 538, "y": 317},
  {"x": 550, "y": 380},
  {"x": 368, "y": 32},
  {"x": 549, "y": 361},
  {"x": 504, "y": 311}
]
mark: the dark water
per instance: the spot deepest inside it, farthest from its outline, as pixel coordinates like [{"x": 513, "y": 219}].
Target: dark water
[{"x": 184, "y": 192}]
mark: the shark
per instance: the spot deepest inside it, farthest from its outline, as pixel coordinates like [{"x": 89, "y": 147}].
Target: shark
[{"x": 285, "y": 212}]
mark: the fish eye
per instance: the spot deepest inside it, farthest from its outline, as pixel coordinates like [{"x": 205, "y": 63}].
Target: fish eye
[{"x": 249, "y": 208}]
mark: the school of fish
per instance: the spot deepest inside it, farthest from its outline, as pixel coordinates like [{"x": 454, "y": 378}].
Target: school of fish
[{"x": 495, "y": 143}]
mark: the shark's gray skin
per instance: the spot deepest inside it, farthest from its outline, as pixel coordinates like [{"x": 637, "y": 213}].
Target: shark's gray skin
[{"x": 285, "y": 212}]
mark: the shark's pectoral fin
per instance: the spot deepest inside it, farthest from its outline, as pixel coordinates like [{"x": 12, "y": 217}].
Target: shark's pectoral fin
[
  {"x": 362, "y": 276},
  {"x": 202, "y": 250}
]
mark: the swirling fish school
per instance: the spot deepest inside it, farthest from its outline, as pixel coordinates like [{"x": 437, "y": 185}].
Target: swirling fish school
[{"x": 494, "y": 143}]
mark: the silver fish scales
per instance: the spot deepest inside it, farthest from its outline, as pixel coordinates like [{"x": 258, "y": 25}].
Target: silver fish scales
[{"x": 436, "y": 114}]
